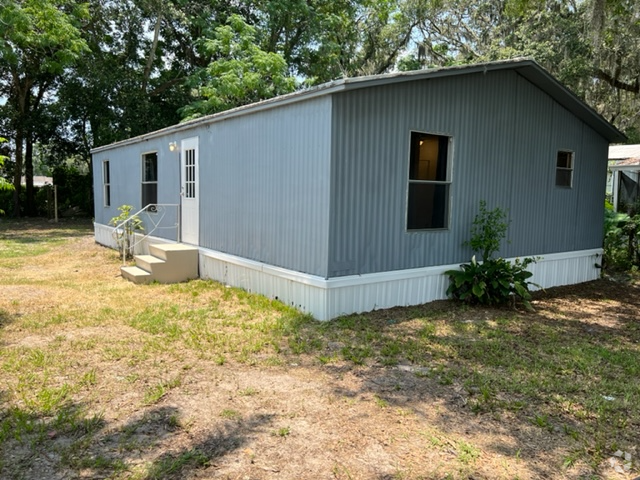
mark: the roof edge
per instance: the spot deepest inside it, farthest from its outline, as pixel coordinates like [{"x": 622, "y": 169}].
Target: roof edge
[{"x": 527, "y": 67}]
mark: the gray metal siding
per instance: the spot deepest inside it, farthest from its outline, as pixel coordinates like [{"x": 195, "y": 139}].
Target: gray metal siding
[
  {"x": 591, "y": 173},
  {"x": 264, "y": 184},
  {"x": 506, "y": 133},
  {"x": 125, "y": 165},
  {"x": 320, "y": 186},
  {"x": 534, "y": 161}
]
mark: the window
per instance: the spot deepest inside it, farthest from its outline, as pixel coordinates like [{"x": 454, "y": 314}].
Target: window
[
  {"x": 190, "y": 173},
  {"x": 106, "y": 183},
  {"x": 429, "y": 182},
  {"x": 564, "y": 169},
  {"x": 150, "y": 180}
]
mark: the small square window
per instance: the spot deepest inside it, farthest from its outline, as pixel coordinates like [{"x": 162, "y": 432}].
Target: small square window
[{"x": 564, "y": 169}]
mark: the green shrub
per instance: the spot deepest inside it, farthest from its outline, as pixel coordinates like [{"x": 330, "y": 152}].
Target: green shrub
[
  {"x": 127, "y": 224},
  {"x": 75, "y": 190},
  {"x": 615, "y": 244},
  {"x": 5, "y": 185},
  {"x": 494, "y": 281},
  {"x": 488, "y": 230},
  {"x": 621, "y": 239}
]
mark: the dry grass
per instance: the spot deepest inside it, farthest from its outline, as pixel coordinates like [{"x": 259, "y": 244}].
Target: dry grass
[{"x": 103, "y": 379}]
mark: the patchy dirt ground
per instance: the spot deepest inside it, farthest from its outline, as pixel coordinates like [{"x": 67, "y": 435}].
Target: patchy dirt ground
[{"x": 279, "y": 415}]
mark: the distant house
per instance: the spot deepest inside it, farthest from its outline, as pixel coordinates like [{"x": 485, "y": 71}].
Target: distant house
[
  {"x": 624, "y": 177},
  {"x": 358, "y": 194},
  {"x": 38, "y": 181}
]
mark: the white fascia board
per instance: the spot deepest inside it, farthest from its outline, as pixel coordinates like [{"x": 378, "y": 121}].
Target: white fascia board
[{"x": 625, "y": 168}]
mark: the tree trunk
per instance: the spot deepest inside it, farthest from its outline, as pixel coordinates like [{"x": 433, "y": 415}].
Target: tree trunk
[
  {"x": 17, "y": 173},
  {"x": 152, "y": 53}
]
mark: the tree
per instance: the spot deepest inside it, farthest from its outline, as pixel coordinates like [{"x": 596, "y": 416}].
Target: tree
[
  {"x": 322, "y": 40},
  {"x": 39, "y": 39},
  {"x": 76, "y": 76},
  {"x": 591, "y": 47},
  {"x": 615, "y": 40},
  {"x": 241, "y": 73}
]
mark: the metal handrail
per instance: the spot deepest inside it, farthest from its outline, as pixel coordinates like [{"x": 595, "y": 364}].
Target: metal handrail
[{"x": 156, "y": 208}]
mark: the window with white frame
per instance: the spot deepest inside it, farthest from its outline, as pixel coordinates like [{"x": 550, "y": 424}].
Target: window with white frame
[
  {"x": 150, "y": 180},
  {"x": 564, "y": 168},
  {"x": 106, "y": 184},
  {"x": 429, "y": 182}
]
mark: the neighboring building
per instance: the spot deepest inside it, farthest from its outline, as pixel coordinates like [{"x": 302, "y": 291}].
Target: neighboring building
[
  {"x": 624, "y": 175},
  {"x": 38, "y": 181},
  {"x": 358, "y": 194}
]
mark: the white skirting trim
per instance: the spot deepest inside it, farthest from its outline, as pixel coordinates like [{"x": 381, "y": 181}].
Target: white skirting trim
[
  {"x": 103, "y": 235},
  {"x": 330, "y": 298}
]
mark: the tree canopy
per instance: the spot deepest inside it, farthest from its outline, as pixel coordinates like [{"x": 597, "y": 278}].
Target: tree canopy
[
  {"x": 39, "y": 40},
  {"x": 79, "y": 74},
  {"x": 241, "y": 73}
]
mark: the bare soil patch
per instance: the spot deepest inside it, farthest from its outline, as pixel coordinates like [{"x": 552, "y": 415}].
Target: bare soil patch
[{"x": 100, "y": 378}]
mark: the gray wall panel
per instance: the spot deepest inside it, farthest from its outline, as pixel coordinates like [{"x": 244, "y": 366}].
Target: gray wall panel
[
  {"x": 126, "y": 180},
  {"x": 505, "y": 136},
  {"x": 265, "y": 186},
  {"x": 591, "y": 172},
  {"x": 533, "y": 161},
  {"x": 562, "y": 202},
  {"x": 264, "y": 183}
]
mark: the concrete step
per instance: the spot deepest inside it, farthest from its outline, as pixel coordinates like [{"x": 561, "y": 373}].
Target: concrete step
[
  {"x": 148, "y": 262},
  {"x": 166, "y": 251},
  {"x": 168, "y": 263},
  {"x": 181, "y": 262},
  {"x": 136, "y": 275}
]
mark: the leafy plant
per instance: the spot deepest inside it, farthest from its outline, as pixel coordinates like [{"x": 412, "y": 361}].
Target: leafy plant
[
  {"x": 494, "y": 281},
  {"x": 241, "y": 73},
  {"x": 126, "y": 225},
  {"x": 488, "y": 230},
  {"x": 621, "y": 239},
  {"x": 4, "y": 184}
]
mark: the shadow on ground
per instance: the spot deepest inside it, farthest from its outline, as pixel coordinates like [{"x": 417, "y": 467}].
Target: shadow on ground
[
  {"x": 66, "y": 443},
  {"x": 29, "y": 230},
  {"x": 552, "y": 383}
]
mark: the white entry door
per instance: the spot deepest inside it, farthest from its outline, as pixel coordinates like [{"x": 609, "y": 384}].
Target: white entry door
[{"x": 190, "y": 191}]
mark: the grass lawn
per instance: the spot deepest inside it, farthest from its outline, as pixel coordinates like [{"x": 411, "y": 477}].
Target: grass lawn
[{"x": 100, "y": 378}]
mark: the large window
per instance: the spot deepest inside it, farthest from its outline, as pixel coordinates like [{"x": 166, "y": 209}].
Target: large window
[
  {"x": 150, "y": 180},
  {"x": 429, "y": 182},
  {"x": 106, "y": 183},
  {"x": 564, "y": 169}
]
